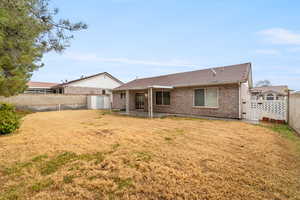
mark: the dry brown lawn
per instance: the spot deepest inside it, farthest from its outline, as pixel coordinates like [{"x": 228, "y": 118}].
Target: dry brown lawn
[{"x": 93, "y": 155}]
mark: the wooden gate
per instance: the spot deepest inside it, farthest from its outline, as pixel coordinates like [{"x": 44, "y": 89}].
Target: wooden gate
[{"x": 272, "y": 109}]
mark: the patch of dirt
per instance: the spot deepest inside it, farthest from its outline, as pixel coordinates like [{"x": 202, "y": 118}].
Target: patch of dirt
[
  {"x": 104, "y": 132},
  {"x": 87, "y": 155},
  {"x": 205, "y": 167}
]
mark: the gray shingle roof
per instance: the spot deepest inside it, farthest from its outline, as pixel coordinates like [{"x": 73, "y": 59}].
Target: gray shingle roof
[{"x": 213, "y": 76}]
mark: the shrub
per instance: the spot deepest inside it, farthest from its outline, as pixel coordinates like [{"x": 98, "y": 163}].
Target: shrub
[
  {"x": 7, "y": 107},
  {"x": 9, "y": 119}
]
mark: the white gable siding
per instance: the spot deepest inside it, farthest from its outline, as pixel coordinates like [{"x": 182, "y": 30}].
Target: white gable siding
[{"x": 101, "y": 81}]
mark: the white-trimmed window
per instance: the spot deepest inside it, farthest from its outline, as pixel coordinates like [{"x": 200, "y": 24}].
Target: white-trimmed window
[{"x": 206, "y": 97}]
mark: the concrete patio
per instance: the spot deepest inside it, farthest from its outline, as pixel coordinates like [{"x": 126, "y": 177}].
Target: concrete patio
[
  {"x": 160, "y": 115},
  {"x": 143, "y": 114}
]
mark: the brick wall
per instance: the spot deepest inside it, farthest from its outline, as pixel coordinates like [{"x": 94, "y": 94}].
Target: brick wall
[{"x": 182, "y": 101}]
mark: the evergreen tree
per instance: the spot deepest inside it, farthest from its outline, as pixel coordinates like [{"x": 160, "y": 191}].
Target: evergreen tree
[{"x": 28, "y": 30}]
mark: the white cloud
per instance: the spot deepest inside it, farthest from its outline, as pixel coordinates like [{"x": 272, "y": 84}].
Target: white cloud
[
  {"x": 271, "y": 52},
  {"x": 281, "y": 36},
  {"x": 96, "y": 58}
]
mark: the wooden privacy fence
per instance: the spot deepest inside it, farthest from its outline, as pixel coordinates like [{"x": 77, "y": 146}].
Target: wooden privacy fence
[{"x": 272, "y": 109}]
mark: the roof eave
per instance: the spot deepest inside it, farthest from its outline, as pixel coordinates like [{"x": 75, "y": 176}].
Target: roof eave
[
  {"x": 92, "y": 76},
  {"x": 178, "y": 86}
]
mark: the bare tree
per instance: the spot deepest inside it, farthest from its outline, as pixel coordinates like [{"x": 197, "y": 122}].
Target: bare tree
[{"x": 263, "y": 83}]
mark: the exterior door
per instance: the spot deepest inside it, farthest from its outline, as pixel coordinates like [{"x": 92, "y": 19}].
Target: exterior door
[{"x": 139, "y": 101}]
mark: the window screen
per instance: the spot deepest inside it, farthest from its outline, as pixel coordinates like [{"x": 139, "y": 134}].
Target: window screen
[
  {"x": 158, "y": 98},
  {"x": 162, "y": 98},
  {"x": 211, "y": 97},
  {"x": 199, "y": 97},
  {"x": 166, "y": 98},
  {"x": 206, "y": 97}
]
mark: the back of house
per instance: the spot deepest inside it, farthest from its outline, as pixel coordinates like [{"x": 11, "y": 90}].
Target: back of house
[{"x": 214, "y": 92}]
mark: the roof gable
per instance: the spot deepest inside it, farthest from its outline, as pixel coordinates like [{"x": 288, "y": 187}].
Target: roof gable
[
  {"x": 90, "y": 77},
  {"x": 212, "y": 76}
]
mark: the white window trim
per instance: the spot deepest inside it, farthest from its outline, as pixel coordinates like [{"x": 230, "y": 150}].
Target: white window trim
[
  {"x": 162, "y": 98},
  {"x": 205, "y": 97}
]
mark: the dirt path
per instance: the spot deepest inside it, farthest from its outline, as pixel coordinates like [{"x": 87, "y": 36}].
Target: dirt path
[{"x": 153, "y": 159}]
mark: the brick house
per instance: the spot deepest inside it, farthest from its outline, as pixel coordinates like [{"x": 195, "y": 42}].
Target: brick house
[{"x": 215, "y": 92}]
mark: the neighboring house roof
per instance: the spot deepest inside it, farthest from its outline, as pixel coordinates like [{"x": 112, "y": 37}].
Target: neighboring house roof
[
  {"x": 32, "y": 84},
  {"x": 280, "y": 89},
  {"x": 213, "y": 76},
  {"x": 92, "y": 76}
]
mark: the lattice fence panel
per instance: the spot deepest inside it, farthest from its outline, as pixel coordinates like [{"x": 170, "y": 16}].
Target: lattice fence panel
[{"x": 257, "y": 109}]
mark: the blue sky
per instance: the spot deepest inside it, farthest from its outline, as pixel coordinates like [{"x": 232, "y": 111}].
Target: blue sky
[{"x": 140, "y": 38}]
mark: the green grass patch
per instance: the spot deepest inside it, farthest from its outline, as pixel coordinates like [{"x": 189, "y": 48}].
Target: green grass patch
[
  {"x": 14, "y": 192},
  {"x": 143, "y": 156},
  {"x": 46, "y": 165},
  {"x": 90, "y": 178},
  {"x": 41, "y": 185},
  {"x": 68, "y": 179},
  {"x": 123, "y": 183},
  {"x": 75, "y": 166},
  {"x": 98, "y": 157},
  {"x": 16, "y": 169},
  {"x": 115, "y": 146},
  {"x": 39, "y": 158},
  {"x": 59, "y": 161},
  {"x": 54, "y": 164},
  {"x": 284, "y": 131}
]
